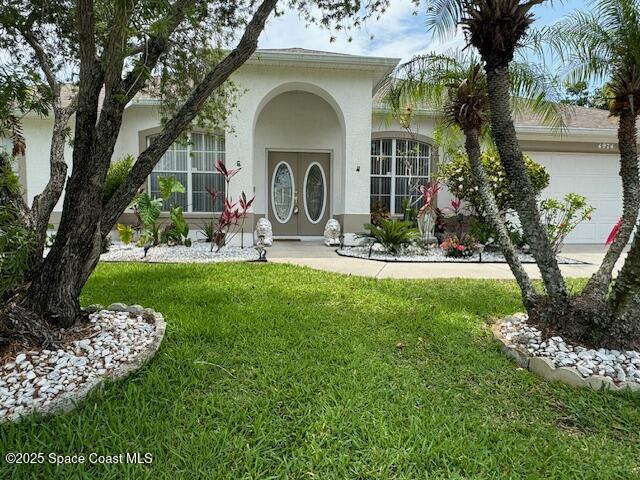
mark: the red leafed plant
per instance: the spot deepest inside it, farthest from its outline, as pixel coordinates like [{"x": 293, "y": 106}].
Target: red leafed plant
[
  {"x": 428, "y": 194},
  {"x": 614, "y": 232},
  {"x": 231, "y": 220}
]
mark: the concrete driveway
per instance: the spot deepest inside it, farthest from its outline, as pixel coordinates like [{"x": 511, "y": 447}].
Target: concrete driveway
[{"x": 316, "y": 255}]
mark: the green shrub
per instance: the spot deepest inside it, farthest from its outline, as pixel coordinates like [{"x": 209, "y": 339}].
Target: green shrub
[
  {"x": 391, "y": 234},
  {"x": 17, "y": 245},
  {"x": 562, "y": 217},
  {"x": 118, "y": 172},
  {"x": 484, "y": 232},
  {"x": 458, "y": 177}
]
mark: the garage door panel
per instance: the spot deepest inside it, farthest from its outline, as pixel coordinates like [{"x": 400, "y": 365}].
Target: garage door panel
[{"x": 593, "y": 175}]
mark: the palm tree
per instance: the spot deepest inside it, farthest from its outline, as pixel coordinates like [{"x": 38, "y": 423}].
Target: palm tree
[
  {"x": 604, "y": 44},
  {"x": 496, "y": 28},
  {"x": 456, "y": 86}
]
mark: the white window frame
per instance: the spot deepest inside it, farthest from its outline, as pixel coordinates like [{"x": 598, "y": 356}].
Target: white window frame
[
  {"x": 190, "y": 170},
  {"x": 394, "y": 175}
]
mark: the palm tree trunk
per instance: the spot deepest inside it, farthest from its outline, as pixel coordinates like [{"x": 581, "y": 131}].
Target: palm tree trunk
[
  {"x": 525, "y": 202},
  {"x": 627, "y": 139},
  {"x": 626, "y": 289},
  {"x": 472, "y": 146}
]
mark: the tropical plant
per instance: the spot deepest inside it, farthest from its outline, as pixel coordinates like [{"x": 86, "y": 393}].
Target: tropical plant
[
  {"x": 391, "y": 234},
  {"x": 458, "y": 175},
  {"x": 148, "y": 210},
  {"x": 496, "y": 28},
  {"x": 561, "y": 217},
  {"x": 126, "y": 233},
  {"x": 168, "y": 186},
  {"x": 605, "y": 43},
  {"x": 208, "y": 230},
  {"x": 457, "y": 86},
  {"x": 117, "y": 173},
  {"x": 462, "y": 247},
  {"x": 231, "y": 220}
]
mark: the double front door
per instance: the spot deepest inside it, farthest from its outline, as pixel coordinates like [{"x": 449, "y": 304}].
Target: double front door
[{"x": 298, "y": 192}]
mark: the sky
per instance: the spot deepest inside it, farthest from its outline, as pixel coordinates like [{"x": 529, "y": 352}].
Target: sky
[{"x": 397, "y": 34}]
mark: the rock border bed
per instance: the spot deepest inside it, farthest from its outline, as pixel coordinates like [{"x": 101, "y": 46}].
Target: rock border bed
[
  {"x": 68, "y": 400},
  {"x": 435, "y": 255},
  {"x": 545, "y": 368},
  {"x": 199, "y": 252}
]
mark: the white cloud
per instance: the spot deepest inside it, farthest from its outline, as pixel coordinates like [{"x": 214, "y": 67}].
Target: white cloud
[{"x": 398, "y": 33}]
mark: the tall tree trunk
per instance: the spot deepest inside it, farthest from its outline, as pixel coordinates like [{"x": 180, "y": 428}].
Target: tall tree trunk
[
  {"x": 627, "y": 140},
  {"x": 525, "y": 202},
  {"x": 472, "y": 146},
  {"x": 626, "y": 289},
  {"x": 55, "y": 289}
]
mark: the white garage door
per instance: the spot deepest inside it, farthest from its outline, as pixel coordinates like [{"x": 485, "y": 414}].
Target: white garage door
[{"x": 593, "y": 175}]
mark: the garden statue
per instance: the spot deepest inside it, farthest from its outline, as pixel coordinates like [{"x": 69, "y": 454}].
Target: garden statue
[
  {"x": 332, "y": 232},
  {"x": 427, "y": 216},
  {"x": 427, "y": 226},
  {"x": 264, "y": 230}
]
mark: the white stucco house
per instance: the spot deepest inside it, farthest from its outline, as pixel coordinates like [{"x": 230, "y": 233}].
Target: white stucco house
[{"x": 311, "y": 138}]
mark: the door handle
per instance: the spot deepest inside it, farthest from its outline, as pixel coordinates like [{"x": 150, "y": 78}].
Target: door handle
[{"x": 295, "y": 203}]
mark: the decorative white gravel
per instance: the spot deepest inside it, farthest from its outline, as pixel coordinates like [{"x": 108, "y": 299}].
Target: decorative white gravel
[
  {"x": 437, "y": 255},
  {"x": 199, "y": 252},
  {"x": 620, "y": 366},
  {"x": 36, "y": 380}
]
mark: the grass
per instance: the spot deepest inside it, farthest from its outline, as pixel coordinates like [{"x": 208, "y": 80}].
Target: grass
[{"x": 274, "y": 371}]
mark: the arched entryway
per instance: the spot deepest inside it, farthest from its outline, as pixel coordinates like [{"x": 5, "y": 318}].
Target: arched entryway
[{"x": 298, "y": 159}]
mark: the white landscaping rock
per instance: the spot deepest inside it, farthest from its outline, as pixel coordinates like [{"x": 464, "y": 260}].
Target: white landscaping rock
[
  {"x": 55, "y": 380},
  {"x": 199, "y": 252},
  {"x": 613, "y": 364},
  {"x": 433, "y": 255}
]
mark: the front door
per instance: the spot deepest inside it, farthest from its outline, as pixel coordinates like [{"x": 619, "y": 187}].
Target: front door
[{"x": 298, "y": 192}]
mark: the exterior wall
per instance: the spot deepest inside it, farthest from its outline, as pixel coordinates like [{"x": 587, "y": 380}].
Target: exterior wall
[
  {"x": 313, "y": 108},
  {"x": 37, "y": 132}
]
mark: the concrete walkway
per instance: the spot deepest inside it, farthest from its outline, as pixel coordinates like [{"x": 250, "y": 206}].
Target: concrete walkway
[{"x": 316, "y": 255}]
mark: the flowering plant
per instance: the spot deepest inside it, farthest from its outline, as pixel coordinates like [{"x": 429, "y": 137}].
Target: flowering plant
[
  {"x": 462, "y": 247},
  {"x": 231, "y": 220},
  {"x": 459, "y": 179}
]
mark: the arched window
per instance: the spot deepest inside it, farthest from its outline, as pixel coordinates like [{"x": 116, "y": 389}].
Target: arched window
[
  {"x": 398, "y": 167},
  {"x": 192, "y": 163}
]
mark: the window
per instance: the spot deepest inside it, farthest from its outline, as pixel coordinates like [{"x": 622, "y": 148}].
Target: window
[
  {"x": 398, "y": 167},
  {"x": 192, "y": 164}
]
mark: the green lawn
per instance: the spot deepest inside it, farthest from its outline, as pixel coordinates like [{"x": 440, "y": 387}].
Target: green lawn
[{"x": 302, "y": 378}]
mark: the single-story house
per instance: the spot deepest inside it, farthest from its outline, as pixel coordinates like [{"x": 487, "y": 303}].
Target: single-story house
[{"x": 313, "y": 142}]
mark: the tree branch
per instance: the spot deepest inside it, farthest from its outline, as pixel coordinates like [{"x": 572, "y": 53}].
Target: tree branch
[
  {"x": 154, "y": 48},
  {"x": 185, "y": 115}
]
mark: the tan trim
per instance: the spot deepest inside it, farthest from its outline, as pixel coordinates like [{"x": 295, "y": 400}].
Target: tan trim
[
  {"x": 606, "y": 148},
  {"x": 353, "y": 222}
]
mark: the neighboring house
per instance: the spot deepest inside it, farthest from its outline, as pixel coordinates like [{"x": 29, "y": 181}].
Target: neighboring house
[{"x": 313, "y": 145}]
